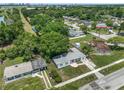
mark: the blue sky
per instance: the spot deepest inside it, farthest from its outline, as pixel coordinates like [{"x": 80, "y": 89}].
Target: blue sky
[{"x": 65, "y": 1}]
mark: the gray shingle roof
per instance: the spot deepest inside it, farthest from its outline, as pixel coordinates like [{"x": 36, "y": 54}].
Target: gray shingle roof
[
  {"x": 24, "y": 67},
  {"x": 73, "y": 54},
  {"x": 39, "y": 63},
  {"x": 17, "y": 69}
]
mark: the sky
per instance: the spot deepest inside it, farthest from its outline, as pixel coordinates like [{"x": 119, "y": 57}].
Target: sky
[{"x": 66, "y": 1}]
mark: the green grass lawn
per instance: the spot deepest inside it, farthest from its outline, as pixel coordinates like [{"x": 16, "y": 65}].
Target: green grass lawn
[
  {"x": 82, "y": 40},
  {"x": 71, "y": 72},
  {"x": 30, "y": 83},
  {"x": 119, "y": 39},
  {"x": 101, "y": 31},
  {"x": 112, "y": 68},
  {"x": 102, "y": 60},
  {"x": 122, "y": 88},
  {"x": 67, "y": 72},
  {"x": 77, "y": 84},
  {"x": 8, "y": 62}
]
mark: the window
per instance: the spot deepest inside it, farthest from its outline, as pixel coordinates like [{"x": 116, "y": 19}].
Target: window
[
  {"x": 27, "y": 73},
  {"x": 72, "y": 61},
  {"x": 11, "y": 78},
  {"x": 61, "y": 65},
  {"x": 17, "y": 76},
  {"x": 78, "y": 59}
]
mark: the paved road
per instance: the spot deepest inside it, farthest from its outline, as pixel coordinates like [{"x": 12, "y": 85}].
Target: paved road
[
  {"x": 89, "y": 73},
  {"x": 112, "y": 81}
]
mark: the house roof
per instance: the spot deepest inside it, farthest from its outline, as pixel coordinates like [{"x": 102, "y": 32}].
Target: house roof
[
  {"x": 86, "y": 22},
  {"x": 39, "y": 63},
  {"x": 101, "y": 25},
  {"x": 73, "y": 32},
  {"x": 17, "y": 69},
  {"x": 24, "y": 67},
  {"x": 72, "y": 54}
]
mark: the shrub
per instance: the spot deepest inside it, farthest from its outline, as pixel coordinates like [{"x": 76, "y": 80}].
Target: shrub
[{"x": 56, "y": 76}]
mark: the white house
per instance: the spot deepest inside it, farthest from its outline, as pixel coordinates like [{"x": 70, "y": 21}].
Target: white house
[{"x": 74, "y": 55}]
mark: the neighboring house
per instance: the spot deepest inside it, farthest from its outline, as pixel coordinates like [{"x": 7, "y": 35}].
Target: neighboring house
[
  {"x": 87, "y": 23},
  {"x": 74, "y": 33},
  {"x": 102, "y": 25},
  {"x": 20, "y": 70},
  {"x": 100, "y": 47},
  {"x": 2, "y": 19},
  {"x": 74, "y": 55}
]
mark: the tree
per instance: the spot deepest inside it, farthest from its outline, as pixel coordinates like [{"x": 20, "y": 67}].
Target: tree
[
  {"x": 56, "y": 76},
  {"x": 56, "y": 26},
  {"x": 121, "y": 27},
  {"x": 84, "y": 28},
  {"x": 93, "y": 25},
  {"x": 109, "y": 23},
  {"x": 53, "y": 43},
  {"x": 87, "y": 49}
]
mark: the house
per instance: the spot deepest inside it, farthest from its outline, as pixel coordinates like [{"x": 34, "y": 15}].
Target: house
[
  {"x": 2, "y": 19},
  {"x": 74, "y": 33},
  {"x": 23, "y": 69},
  {"x": 102, "y": 25},
  {"x": 66, "y": 59},
  {"x": 87, "y": 23},
  {"x": 100, "y": 47}
]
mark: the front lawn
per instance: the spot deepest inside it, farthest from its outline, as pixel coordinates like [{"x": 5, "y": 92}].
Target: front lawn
[
  {"x": 30, "y": 83},
  {"x": 102, "y": 60},
  {"x": 67, "y": 72},
  {"x": 119, "y": 39},
  {"x": 82, "y": 40},
  {"x": 101, "y": 31},
  {"x": 71, "y": 72},
  {"x": 77, "y": 84},
  {"x": 112, "y": 68},
  {"x": 122, "y": 88}
]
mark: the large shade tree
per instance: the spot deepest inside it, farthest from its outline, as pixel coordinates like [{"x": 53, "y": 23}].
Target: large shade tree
[{"x": 53, "y": 43}]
